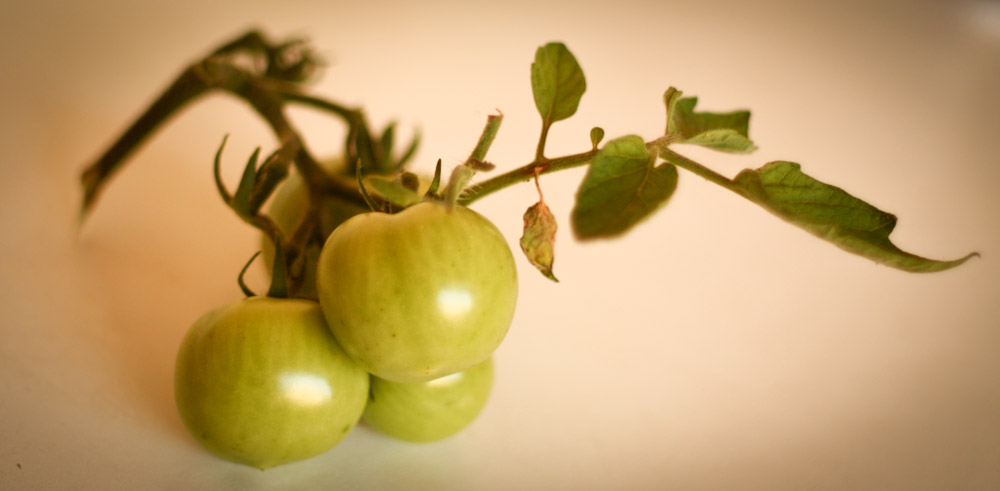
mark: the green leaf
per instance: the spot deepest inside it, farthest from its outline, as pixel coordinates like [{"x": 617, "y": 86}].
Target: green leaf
[
  {"x": 557, "y": 82},
  {"x": 538, "y": 240},
  {"x": 217, "y": 173},
  {"x": 247, "y": 292},
  {"x": 830, "y": 213},
  {"x": 279, "y": 274},
  {"x": 725, "y": 132},
  {"x": 670, "y": 98},
  {"x": 622, "y": 187},
  {"x": 393, "y": 190},
  {"x": 432, "y": 190}
]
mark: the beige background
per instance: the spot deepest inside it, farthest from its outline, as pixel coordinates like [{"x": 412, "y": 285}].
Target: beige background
[{"x": 713, "y": 348}]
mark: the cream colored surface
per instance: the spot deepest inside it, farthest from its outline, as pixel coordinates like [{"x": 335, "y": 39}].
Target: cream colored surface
[{"x": 713, "y": 348}]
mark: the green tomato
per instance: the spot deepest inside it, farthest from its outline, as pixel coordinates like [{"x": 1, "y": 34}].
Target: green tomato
[
  {"x": 287, "y": 208},
  {"x": 419, "y": 294},
  {"x": 262, "y": 382},
  {"x": 432, "y": 410}
]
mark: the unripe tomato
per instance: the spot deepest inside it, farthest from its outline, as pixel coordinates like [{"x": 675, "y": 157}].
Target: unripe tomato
[
  {"x": 432, "y": 410},
  {"x": 418, "y": 294},
  {"x": 262, "y": 382},
  {"x": 287, "y": 208}
]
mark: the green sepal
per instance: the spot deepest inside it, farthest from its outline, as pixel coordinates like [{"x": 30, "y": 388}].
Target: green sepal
[
  {"x": 217, "y": 173},
  {"x": 239, "y": 279},
  {"x": 432, "y": 190},
  {"x": 393, "y": 190},
  {"x": 241, "y": 199},
  {"x": 279, "y": 273},
  {"x": 460, "y": 177}
]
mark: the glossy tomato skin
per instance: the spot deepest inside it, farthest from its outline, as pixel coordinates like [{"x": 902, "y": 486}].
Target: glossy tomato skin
[
  {"x": 419, "y": 294},
  {"x": 432, "y": 410},
  {"x": 287, "y": 208},
  {"x": 262, "y": 382}
]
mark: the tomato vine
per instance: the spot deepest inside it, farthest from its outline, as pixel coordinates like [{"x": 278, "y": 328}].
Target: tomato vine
[
  {"x": 411, "y": 306},
  {"x": 627, "y": 178}
]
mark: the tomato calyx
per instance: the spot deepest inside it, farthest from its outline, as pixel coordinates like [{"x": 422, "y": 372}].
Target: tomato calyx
[{"x": 278, "y": 288}]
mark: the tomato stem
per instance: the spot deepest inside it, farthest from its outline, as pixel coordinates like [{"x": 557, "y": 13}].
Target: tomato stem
[{"x": 524, "y": 174}]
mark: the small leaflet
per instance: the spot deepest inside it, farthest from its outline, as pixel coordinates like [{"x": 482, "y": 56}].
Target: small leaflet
[
  {"x": 557, "y": 82},
  {"x": 596, "y": 135}
]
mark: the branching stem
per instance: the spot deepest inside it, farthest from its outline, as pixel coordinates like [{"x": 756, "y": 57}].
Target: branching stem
[
  {"x": 267, "y": 89},
  {"x": 524, "y": 174}
]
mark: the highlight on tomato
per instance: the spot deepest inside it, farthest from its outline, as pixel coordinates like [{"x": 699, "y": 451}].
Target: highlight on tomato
[
  {"x": 263, "y": 382},
  {"x": 419, "y": 294}
]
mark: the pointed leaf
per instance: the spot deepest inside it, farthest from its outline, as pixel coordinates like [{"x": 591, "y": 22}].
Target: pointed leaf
[
  {"x": 241, "y": 199},
  {"x": 247, "y": 292},
  {"x": 832, "y": 214},
  {"x": 622, "y": 187},
  {"x": 460, "y": 177},
  {"x": 279, "y": 274},
  {"x": 725, "y": 132},
  {"x": 557, "y": 82},
  {"x": 432, "y": 190},
  {"x": 217, "y": 173},
  {"x": 538, "y": 240}
]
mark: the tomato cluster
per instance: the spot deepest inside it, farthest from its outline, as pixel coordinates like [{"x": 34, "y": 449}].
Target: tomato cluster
[{"x": 411, "y": 307}]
